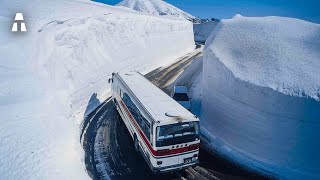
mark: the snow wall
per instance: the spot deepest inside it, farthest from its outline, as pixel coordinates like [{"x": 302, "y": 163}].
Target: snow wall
[
  {"x": 56, "y": 73},
  {"x": 202, "y": 31},
  {"x": 94, "y": 47},
  {"x": 261, "y": 92}
]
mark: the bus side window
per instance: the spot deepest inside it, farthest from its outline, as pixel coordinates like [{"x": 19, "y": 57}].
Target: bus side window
[
  {"x": 147, "y": 130},
  {"x": 145, "y": 126},
  {"x": 119, "y": 91},
  {"x": 137, "y": 115},
  {"x": 151, "y": 134}
]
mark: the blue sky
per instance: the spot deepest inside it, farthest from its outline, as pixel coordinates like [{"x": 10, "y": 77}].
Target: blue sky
[{"x": 303, "y": 9}]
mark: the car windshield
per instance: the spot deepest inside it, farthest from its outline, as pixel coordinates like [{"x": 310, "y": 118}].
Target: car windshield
[
  {"x": 181, "y": 97},
  {"x": 177, "y": 133}
]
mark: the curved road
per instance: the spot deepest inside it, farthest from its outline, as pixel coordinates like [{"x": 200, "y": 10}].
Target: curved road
[{"x": 109, "y": 149}]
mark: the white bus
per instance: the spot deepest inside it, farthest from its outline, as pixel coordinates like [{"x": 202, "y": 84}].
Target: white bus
[{"x": 166, "y": 134}]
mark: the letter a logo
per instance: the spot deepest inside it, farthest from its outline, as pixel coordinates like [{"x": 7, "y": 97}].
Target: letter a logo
[{"x": 19, "y": 21}]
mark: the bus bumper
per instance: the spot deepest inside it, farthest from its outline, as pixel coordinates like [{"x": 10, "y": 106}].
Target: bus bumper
[{"x": 174, "y": 168}]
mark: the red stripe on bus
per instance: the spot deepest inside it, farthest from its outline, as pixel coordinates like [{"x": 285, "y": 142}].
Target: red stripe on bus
[{"x": 146, "y": 141}]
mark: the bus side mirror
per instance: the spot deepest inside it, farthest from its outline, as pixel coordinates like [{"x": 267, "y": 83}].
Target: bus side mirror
[{"x": 110, "y": 80}]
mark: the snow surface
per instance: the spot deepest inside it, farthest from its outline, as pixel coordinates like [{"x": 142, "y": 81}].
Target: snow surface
[
  {"x": 275, "y": 52},
  {"x": 156, "y": 7},
  {"x": 260, "y": 96},
  {"x": 56, "y": 73},
  {"x": 203, "y": 30}
]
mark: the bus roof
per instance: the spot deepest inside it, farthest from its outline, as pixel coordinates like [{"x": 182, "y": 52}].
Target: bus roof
[{"x": 159, "y": 105}]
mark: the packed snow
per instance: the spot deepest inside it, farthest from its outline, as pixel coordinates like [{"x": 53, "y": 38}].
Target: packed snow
[
  {"x": 203, "y": 30},
  {"x": 260, "y": 96},
  {"x": 156, "y": 7},
  {"x": 49, "y": 74},
  {"x": 279, "y": 53}
]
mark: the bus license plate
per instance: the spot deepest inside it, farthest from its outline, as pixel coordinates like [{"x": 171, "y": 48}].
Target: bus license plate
[{"x": 188, "y": 160}]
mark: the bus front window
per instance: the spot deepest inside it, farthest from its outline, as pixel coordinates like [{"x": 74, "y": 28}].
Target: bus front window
[{"x": 177, "y": 133}]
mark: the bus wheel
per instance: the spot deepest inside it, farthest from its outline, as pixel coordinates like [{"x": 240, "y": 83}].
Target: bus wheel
[{"x": 136, "y": 143}]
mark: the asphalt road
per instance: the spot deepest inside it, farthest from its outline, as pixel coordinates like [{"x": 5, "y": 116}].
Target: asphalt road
[{"x": 109, "y": 149}]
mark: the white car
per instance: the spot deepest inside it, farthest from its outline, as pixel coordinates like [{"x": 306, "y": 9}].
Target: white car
[{"x": 180, "y": 94}]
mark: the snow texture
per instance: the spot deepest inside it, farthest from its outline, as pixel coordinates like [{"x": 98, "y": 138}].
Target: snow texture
[
  {"x": 203, "y": 30},
  {"x": 275, "y": 52},
  {"x": 261, "y": 88},
  {"x": 156, "y": 7},
  {"x": 56, "y": 73}
]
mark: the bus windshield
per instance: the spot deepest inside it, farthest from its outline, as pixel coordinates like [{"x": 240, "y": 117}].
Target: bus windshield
[{"x": 177, "y": 133}]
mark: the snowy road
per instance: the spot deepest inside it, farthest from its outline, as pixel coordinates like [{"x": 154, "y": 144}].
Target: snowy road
[{"x": 109, "y": 147}]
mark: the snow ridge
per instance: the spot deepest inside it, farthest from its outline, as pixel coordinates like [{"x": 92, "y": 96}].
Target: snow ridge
[{"x": 156, "y": 7}]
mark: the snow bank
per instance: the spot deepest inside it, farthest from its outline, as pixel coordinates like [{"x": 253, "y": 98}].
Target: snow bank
[
  {"x": 202, "y": 31},
  {"x": 156, "y": 7},
  {"x": 261, "y": 92},
  {"x": 56, "y": 73}
]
